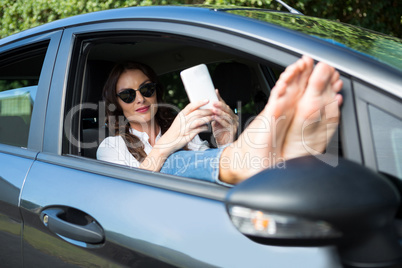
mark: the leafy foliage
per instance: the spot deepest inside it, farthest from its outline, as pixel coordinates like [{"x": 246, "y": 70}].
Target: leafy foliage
[{"x": 382, "y": 16}]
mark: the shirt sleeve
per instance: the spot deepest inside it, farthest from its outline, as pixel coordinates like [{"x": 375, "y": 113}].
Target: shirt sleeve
[
  {"x": 197, "y": 144},
  {"x": 114, "y": 150}
]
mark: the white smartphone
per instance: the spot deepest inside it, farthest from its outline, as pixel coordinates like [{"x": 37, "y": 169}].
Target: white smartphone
[{"x": 198, "y": 85}]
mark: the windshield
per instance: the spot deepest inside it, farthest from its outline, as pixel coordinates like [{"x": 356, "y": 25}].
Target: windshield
[{"x": 384, "y": 48}]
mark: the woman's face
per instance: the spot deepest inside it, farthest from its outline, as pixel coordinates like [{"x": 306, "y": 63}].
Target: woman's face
[{"x": 141, "y": 112}]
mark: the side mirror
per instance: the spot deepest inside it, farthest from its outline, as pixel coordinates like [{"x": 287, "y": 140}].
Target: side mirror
[{"x": 309, "y": 203}]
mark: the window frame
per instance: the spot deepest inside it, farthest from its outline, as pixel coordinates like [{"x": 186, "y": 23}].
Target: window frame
[
  {"x": 369, "y": 95},
  {"x": 35, "y": 137}
]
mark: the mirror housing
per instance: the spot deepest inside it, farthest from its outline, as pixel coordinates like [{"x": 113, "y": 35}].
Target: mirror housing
[{"x": 310, "y": 203}]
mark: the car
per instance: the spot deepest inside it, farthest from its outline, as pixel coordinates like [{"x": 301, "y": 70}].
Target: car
[{"x": 61, "y": 207}]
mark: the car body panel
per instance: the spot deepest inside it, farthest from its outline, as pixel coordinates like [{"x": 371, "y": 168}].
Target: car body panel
[
  {"x": 349, "y": 132},
  {"x": 35, "y": 141},
  {"x": 15, "y": 163},
  {"x": 13, "y": 171},
  {"x": 135, "y": 218}
]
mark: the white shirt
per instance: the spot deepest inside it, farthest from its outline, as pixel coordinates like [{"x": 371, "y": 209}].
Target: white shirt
[{"x": 113, "y": 149}]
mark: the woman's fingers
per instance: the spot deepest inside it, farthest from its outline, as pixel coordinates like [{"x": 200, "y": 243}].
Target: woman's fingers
[
  {"x": 197, "y": 122},
  {"x": 188, "y": 114},
  {"x": 225, "y": 121},
  {"x": 221, "y": 105},
  {"x": 192, "y": 106},
  {"x": 226, "y": 116},
  {"x": 194, "y": 122},
  {"x": 201, "y": 112},
  {"x": 219, "y": 95},
  {"x": 222, "y": 109},
  {"x": 197, "y": 114}
]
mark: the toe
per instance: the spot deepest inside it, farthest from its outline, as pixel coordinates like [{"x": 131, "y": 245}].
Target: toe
[
  {"x": 306, "y": 71},
  {"x": 279, "y": 89},
  {"x": 320, "y": 78}
]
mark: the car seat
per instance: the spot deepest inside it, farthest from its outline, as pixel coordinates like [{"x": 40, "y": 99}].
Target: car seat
[
  {"x": 92, "y": 122},
  {"x": 235, "y": 85}
]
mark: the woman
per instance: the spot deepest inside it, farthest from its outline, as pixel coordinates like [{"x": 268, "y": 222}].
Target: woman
[
  {"x": 137, "y": 119},
  {"x": 146, "y": 136}
]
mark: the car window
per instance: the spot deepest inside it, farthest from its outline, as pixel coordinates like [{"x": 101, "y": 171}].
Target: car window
[
  {"x": 167, "y": 57},
  {"x": 387, "y": 135},
  {"x": 19, "y": 75}
]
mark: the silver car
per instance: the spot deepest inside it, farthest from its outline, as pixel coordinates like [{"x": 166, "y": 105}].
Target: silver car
[{"x": 60, "y": 207}]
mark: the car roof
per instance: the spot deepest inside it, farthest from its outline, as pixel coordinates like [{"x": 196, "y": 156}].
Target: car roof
[{"x": 373, "y": 57}]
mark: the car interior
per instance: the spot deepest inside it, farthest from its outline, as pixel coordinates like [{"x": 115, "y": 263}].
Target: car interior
[{"x": 243, "y": 82}]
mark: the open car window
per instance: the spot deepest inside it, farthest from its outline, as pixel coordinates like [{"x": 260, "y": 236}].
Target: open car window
[{"x": 242, "y": 81}]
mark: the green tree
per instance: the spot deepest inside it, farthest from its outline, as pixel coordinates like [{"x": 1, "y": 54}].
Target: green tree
[{"x": 382, "y": 16}]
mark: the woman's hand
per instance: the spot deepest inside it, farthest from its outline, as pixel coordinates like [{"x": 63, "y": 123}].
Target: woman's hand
[
  {"x": 225, "y": 123},
  {"x": 187, "y": 124}
]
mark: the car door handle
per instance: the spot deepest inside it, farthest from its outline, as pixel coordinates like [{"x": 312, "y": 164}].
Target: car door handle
[{"x": 73, "y": 224}]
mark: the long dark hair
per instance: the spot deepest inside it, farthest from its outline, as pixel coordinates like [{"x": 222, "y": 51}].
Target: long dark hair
[{"x": 164, "y": 117}]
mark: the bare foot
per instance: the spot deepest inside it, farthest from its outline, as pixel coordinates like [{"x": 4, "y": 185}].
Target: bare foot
[
  {"x": 260, "y": 145},
  {"x": 317, "y": 114}
]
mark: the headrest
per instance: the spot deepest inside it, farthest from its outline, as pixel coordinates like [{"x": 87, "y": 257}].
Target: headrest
[
  {"x": 233, "y": 80},
  {"x": 96, "y": 74}
]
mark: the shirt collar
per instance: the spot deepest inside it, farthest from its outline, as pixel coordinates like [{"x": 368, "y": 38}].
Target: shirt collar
[{"x": 143, "y": 136}]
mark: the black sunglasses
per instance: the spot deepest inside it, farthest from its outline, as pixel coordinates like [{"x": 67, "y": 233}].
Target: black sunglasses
[{"x": 128, "y": 95}]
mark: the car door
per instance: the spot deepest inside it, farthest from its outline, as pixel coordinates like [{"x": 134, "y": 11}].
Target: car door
[
  {"x": 24, "y": 85},
  {"x": 79, "y": 211}
]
